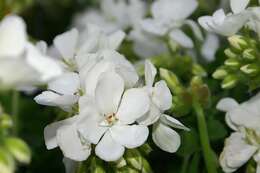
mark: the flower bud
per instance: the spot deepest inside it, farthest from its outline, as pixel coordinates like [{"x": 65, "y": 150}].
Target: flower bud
[
  {"x": 250, "y": 69},
  {"x": 5, "y": 121},
  {"x": 7, "y": 164},
  {"x": 232, "y": 62},
  {"x": 171, "y": 79},
  {"x": 229, "y": 82},
  {"x": 198, "y": 70},
  {"x": 126, "y": 170},
  {"x": 19, "y": 149},
  {"x": 96, "y": 166},
  {"x": 121, "y": 163},
  {"x": 237, "y": 42},
  {"x": 230, "y": 54},
  {"x": 133, "y": 157},
  {"x": 249, "y": 54},
  {"x": 219, "y": 74}
]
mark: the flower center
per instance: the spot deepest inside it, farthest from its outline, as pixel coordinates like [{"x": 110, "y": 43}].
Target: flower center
[{"x": 110, "y": 119}]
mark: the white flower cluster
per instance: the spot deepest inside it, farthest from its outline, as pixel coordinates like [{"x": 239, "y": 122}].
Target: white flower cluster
[
  {"x": 23, "y": 64},
  {"x": 112, "y": 108},
  {"x": 229, "y": 24},
  {"x": 150, "y": 35},
  {"x": 244, "y": 143}
]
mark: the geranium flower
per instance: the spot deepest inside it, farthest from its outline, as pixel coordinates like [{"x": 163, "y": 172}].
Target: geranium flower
[
  {"x": 169, "y": 16},
  {"x": 108, "y": 119},
  {"x": 229, "y": 24},
  {"x": 160, "y": 100}
]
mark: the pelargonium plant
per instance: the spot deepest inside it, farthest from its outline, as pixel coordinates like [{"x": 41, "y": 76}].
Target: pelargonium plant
[{"x": 118, "y": 86}]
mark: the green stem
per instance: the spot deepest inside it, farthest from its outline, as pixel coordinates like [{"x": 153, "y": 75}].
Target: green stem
[
  {"x": 80, "y": 168},
  {"x": 185, "y": 164},
  {"x": 15, "y": 111},
  {"x": 204, "y": 138}
]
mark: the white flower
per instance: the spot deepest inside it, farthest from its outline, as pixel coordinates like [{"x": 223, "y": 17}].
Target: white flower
[
  {"x": 210, "y": 46},
  {"x": 160, "y": 100},
  {"x": 65, "y": 135},
  {"x": 114, "y": 15},
  {"x": 146, "y": 45},
  {"x": 62, "y": 92},
  {"x": 236, "y": 152},
  {"x": 169, "y": 16},
  {"x": 31, "y": 66},
  {"x": 229, "y": 24},
  {"x": 244, "y": 143},
  {"x": 91, "y": 66},
  {"x": 71, "y": 44},
  {"x": 246, "y": 114},
  {"x": 108, "y": 119}
]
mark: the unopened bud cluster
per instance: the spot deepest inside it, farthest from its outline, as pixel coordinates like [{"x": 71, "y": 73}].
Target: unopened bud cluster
[{"x": 242, "y": 64}]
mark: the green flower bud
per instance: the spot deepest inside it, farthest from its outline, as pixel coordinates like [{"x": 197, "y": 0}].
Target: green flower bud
[
  {"x": 250, "y": 69},
  {"x": 19, "y": 149},
  {"x": 229, "y": 53},
  {"x": 121, "y": 163},
  {"x": 229, "y": 82},
  {"x": 237, "y": 42},
  {"x": 219, "y": 74},
  {"x": 5, "y": 121},
  {"x": 146, "y": 149},
  {"x": 171, "y": 79},
  {"x": 96, "y": 166},
  {"x": 133, "y": 157},
  {"x": 126, "y": 170},
  {"x": 232, "y": 62},
  {"x": 7, "y": 164},
  {"x": 146, "y": 167},
  {"x": 249, "y": 54},
  {"x": 198, "y": 70}
]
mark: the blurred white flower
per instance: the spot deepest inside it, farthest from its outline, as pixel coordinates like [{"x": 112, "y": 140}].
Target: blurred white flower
[
  {"x": 70, "y": 44},
  {"x": 230, "y": 24},
  {"x": 210, "y": 46},
  {"x": 114, "y": 15},
  {"x": 108, "y": 119},
  {"x": 31, "y": 66},
  {"x": 146, "y": 45},
  {"x": 160, "y": 100},
  {"x": 169, "y": 16},
  {"x": 244, "y": 143}
]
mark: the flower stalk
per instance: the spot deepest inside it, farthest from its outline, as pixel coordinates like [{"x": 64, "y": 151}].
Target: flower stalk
[
  {"x": 204, "y": 138},
  {"x": 15, "y": 111}
]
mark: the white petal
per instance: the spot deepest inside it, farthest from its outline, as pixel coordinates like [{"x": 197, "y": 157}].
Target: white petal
[
  {"x": 116, "y": 39},
  {"x": 236, "y": 151},
  {"x": 71, "y": 144},
  {"x": 122, "y": 66},
  {"x": 151, "y": 116},
  {"x": 129, "y": 136},
  {"x": 210, "y": 46},
  {"x": 154, "y": 27},
  {"x": 108, "y": 92},
  {"x": 204, "y": 21},
  {"x": 161, "y": 95},
  {"x": 50, "y": 131},
  {"x": 42, "y": 46},
  {"x": 89, "y": 124},
  {"x": 195, "y": 29},
  {"x": 68, "y": 83},
  {"x": 93, "y": 75},
  {"x": 134, "y": 104},
  {"x": 50, "y": 98},
  {"x": 13, "y": 36},
  {"x": 46, "y": 66},
  {"x": 172, "y": 122},
  {"x": 173, "y": 9},
  {"x": 66, "y": 43},
  {"x": 150, "y": 72},
  {"x": 227, "y": 104},
  {"x": 181, "y": 38},
  {"x": 166, "y": 138},
  {"x": 238, "y": 6},
  {"x": 109, "y": 150}
]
